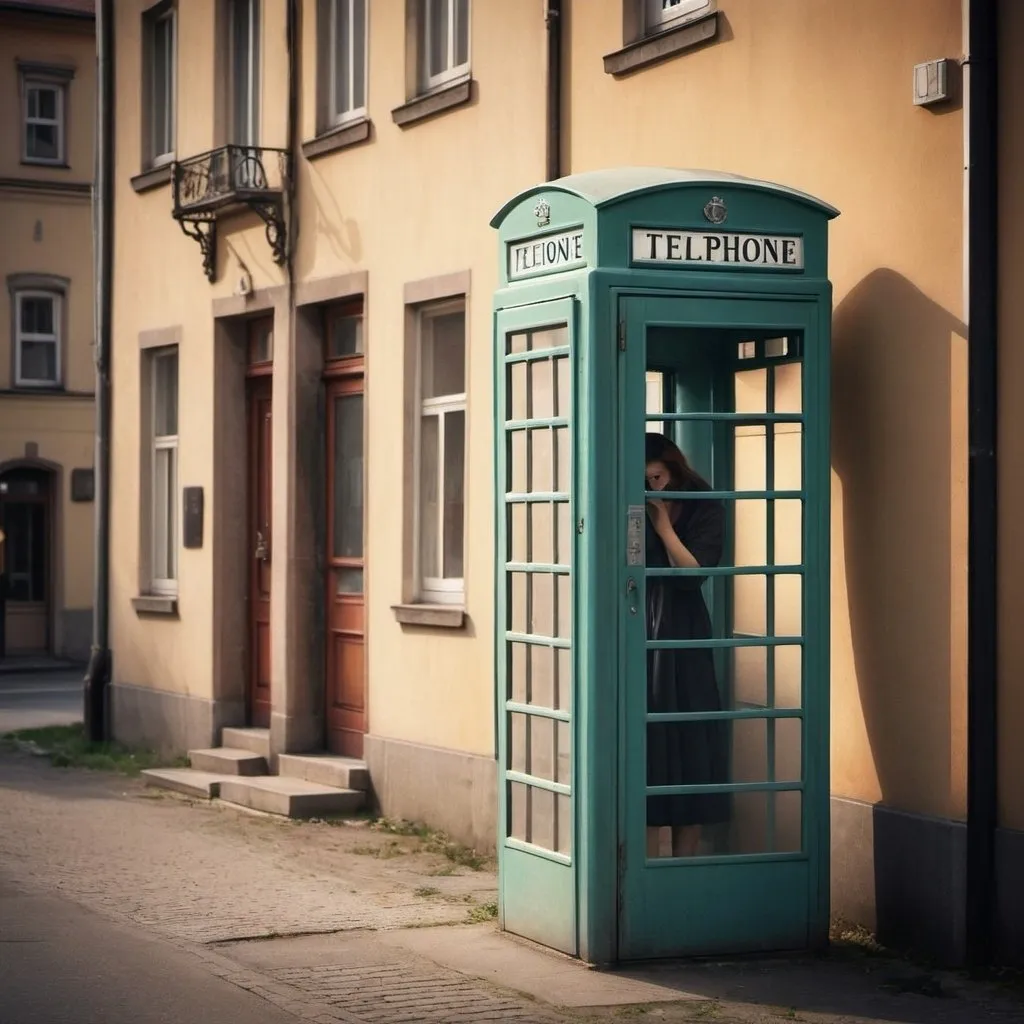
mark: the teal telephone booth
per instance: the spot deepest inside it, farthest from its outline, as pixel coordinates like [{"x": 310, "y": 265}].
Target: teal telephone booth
[{"x": 663, "y": 717}]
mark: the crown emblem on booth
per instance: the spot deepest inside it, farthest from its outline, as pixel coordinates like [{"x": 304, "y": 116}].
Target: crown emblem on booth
[
  {"x": 542, "y": 211},
  {"x": 715, "y": 211}
]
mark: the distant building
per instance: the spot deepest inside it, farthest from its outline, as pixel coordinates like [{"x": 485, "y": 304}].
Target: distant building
[{"x": 47, "y": 99}]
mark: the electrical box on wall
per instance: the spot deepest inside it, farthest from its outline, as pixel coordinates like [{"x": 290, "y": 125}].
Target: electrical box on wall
[{"x": 931, "y": 82}]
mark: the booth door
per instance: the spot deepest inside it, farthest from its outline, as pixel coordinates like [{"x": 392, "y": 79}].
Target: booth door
[
  {"x": 534, "y": 629},
  {"x": 724, "y": 679}
]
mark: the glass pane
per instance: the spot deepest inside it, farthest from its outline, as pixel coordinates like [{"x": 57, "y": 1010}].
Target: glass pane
[
  {"x": 788, "y": 676},
  {"x": 437, "y": 30},
  {"x": 749, "y": 606},
  {"x": 542, "y": 478},
  {"x": 346, "y": 337},
  {"x": 655, "y": 401},
  {"x": 788, "y": 821},
  {"x": 563, "y": 593},
  {"x": 788, "y": 457},
  {"x": 347, "y": 472},
  {"x": 788, "y": 532},
  {"x": 261, "y": 344},
  {"x": 516, "y": 688},
  {"x": 750, "y": 677},
  {"x": 42, "y": 141},
  {"x": 518, "y": 392},
  {"x": 749, "y": 469},
  {"x": 165, "y": 517},
  {"x": 564, "y": 529},
  {"x": 563, "y": 376},
  {"x": 752, "y": 391},
  {"x": 32, "y": 102},
  {"x": 342, "y": 57},
  {"x": 542, "y": 389},
  {"x": 774, "y": 348},
  {"x": 161, "y": 82},
  {"x": 348, "y": 581},
  {"x": 518, "y": 464},
  {"x": 788, "y": 750},
  {"x": 518, "y": 754},
  {"x": 788, "y": 387},
  {"x": 542, "y": 533},
  {"x": 749, "y": 750},
  {"x": 563, "y": 451},
  {"x": 748, "y": 831},
  {"x": 549, "y": 337},
  {"x": 542, "y": 604},
  {"x": 516, "y": 610},
  {"x": 542, "y": 818},
  {"x": 563, "y": 753},
  {"x": 444, "y": 355},
  {"x": 358, "y": 54},
  {"x": 37, "y": 315},
  {"x": 454, "y": 481},
  {"x": 430, "y": 564},
  {"x": 518, "y": 549},
  {"x": 541, "y": 759},
  {"x": 165, "y": 394},
  {"x": 46, "y": 100},
  {"x": 563, "y": 824},
  {"x": 563, "y": 666},
  {"x": 461, "y": 31},
  {"x": 750, "y": 523},
  {"x": 517, "y": 342},
  {"x": 541, "y": 661},
  {"x": 39, "y": 361},
  {"x": 518, "y": 797},
  {"x": 789, "y": 619}
]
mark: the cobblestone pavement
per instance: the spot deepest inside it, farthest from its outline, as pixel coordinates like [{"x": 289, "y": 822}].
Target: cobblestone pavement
[{"x": 208, "y": 878}]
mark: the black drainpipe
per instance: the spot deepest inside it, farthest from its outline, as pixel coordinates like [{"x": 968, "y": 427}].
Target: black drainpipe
[
  {"x": 982, "y": 318},
  {"x": 553, "y": 19},
  {"x": 98, "y": 672}
]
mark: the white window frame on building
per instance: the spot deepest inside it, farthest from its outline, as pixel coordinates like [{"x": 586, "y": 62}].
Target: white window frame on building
[
  {"x": 444, "y": 18},
  {"x": 165, "y": 520},
  {"x": 347, "y": 51},
  {"x": 244, "y": 68},
  {"x": 160, "y": 50},
  {"x": 432, "y": 588},
  {"x": 23, "y": 337},
  {"x": 37, "y": 84},
  {"x": 664, "y": 14}
]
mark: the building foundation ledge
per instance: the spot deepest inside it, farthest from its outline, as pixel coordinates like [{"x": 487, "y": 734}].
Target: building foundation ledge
[{"x": 445, "y": 789}]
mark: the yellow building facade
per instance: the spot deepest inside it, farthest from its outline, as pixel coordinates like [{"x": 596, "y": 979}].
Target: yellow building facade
[
  {"x": 302, "y": 463},
  {"x": 47, "y": 101}
]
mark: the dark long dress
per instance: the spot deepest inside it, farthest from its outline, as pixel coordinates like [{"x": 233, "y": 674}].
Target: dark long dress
[{"x": 685, "y": 753}]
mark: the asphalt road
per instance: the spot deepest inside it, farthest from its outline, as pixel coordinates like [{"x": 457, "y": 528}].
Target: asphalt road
[
  {"x": 34, "y": 699},
  {"x": 62, "y": 964}
]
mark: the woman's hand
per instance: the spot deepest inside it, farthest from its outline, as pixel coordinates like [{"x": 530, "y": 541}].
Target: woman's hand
[{"x": 660, "y": 518}]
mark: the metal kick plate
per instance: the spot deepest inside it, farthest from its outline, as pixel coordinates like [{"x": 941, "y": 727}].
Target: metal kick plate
[{"x": 635, "y": 535}]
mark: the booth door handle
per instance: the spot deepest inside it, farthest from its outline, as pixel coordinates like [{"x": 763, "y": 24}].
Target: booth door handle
[{"x": 632, "y": 595}]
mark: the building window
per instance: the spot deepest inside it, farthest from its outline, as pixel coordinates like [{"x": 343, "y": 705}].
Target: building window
[
  {"x": 244, "y": 36},
  {"x": 444, "y": 41},
  {"x": 663, "y": 14},
  {"x": 161, "y": 59},
  {"x": 164, "y": 470},
  {"x": 44, "y": 122},
  {"x": 345, "y": 85},
  {"x": 441, "y": 454},
  {"x": 37, "y": 323}
]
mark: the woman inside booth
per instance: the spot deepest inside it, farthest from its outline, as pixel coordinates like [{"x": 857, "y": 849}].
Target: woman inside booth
[{"x": 682, "y": 534}]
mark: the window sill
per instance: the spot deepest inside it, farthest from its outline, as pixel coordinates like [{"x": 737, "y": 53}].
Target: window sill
[
  {"x": 155, "y": 604},
  {"x": 442, "y": 616},
  {"x": 42, "y": 387},
  {"x": 56, "y": 165},
  {"x": 341, "y": 136},
  {"x": 420, "y": 108},
  {"x": 662, "y": 45},
  {"x": 155, "y": 177}
]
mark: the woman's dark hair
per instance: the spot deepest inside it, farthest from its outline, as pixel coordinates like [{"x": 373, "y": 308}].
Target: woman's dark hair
[{"x": 659, "y": 448}]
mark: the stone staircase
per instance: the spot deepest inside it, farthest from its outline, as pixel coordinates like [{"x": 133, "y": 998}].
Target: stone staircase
[{"x": 306, "y": 786}]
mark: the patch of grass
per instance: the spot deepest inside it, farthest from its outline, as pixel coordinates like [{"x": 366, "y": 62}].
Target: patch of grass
[
  {"x": 426, "y": 891},
  {"x": 707, "y": 1010},
  {"x": 66, "y": 746},
  {"x": 444, "y": 872},
  {"x": 434, "y": 841},
  {"x": 484, "y": 912},
  {"x": 854, "y": 937}
]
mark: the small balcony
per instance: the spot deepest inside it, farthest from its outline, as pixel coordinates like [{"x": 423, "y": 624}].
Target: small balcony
[{"x": 221, "y": 181}]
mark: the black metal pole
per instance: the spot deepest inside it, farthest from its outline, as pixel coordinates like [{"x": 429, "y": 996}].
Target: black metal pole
[
  {"x": 98, "y": 672},
  {"x": 553, "y": 19},
  {"x": 982, "y": 315}
]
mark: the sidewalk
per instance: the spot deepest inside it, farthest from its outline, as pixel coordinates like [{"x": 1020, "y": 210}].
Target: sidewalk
[{"x": 359, "y": 925}]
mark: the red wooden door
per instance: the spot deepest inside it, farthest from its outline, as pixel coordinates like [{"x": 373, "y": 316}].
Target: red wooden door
[
  {"x": 260, "y": 434},
  {"x": 345, "y": 688}
]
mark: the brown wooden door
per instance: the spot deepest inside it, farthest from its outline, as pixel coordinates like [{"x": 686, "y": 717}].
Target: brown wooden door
[
  {"x": 346, "y": 567},
  {"x": 259, "y": 549},
  {"x": 25, "y": 521}
]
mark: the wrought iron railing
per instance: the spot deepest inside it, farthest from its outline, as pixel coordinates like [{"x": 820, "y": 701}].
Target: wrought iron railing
[{"x": 230, "y": 176}]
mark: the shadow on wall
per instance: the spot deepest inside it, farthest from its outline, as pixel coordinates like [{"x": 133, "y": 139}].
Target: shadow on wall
[{"x": 895, "y": 379}]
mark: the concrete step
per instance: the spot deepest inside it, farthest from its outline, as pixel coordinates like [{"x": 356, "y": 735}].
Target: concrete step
[
  {"x": 256, "y": 741},
  {"x": 325, "y": 769},
  {"x": 185, "y": 780},
  {"x": 228, "y": 761},
  {"x": 292, "y": 798}
]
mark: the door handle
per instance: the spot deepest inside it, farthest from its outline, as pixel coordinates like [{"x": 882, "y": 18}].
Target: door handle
[
  {"x": 262, "y": 552},
  {"x": 632, "y": 595}
]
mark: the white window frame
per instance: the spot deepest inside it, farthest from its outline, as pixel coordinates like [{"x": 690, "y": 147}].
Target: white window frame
[
  {"x": 336, "y": 9},
  {"x": 657, "y": 17},
  {"x": 247, "y": 135},
  {"x": 429, "y": 589},
  {"x": 166, "y": 535},
  {"x": 167, "y": 119},
  {"x": 31, "y": 82},
  {"x": 452, "y": 71},
  {"x": 21, "y": 336}
]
